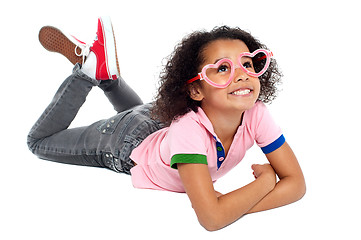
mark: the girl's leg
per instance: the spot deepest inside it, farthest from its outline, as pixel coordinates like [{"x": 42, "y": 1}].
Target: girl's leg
[
  {"x": 94, "y": 145},
  {"x": 106, "y": 143},
  {"x": 50, "y": 137},
  {"x": 120, "y": 95}
]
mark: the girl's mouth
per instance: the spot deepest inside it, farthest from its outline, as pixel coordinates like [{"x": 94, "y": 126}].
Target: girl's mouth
[{"x": 241, "y": 92}]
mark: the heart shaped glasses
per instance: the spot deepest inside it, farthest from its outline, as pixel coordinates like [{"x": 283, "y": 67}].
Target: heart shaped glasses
[{"x": 221, "y": 73}]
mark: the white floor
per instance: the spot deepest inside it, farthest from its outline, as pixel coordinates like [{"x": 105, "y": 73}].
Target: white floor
[{"x": 315, "y": 44}]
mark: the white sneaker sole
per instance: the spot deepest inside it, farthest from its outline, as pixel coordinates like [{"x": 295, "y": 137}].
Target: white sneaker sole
[{"x": 110, "y": 48}]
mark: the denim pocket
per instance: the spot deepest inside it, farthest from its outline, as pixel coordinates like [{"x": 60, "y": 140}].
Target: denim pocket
[{"x": 108, "y": 126}]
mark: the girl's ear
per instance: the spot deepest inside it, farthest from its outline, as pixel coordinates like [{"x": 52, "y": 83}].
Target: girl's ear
[{"x": 195, "y": 92}]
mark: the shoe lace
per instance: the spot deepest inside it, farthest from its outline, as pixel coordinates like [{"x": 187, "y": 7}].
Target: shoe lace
[{"x": 84, "y": 49}]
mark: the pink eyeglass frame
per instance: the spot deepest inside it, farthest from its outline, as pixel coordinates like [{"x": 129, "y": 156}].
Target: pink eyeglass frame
[{"x": 203, "y": 76}]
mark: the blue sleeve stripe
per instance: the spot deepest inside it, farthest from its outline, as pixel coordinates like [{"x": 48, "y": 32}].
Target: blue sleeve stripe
[{"x": 275, "y": 145}]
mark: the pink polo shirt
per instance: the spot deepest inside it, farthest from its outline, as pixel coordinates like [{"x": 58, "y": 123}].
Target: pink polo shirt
[{"x": 192, "y": 139}]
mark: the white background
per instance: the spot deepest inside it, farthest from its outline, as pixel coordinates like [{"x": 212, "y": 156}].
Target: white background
[{"x": 316, "y": 44}]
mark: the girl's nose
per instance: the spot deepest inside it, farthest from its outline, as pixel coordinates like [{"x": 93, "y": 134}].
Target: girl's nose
[{"x": 240, "y": 75}]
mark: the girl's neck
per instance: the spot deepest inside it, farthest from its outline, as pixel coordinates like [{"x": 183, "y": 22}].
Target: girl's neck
[{"x": 225, "y": 125}]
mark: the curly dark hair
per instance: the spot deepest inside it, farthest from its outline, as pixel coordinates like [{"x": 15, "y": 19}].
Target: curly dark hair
[{"x": 173, "y": 99}]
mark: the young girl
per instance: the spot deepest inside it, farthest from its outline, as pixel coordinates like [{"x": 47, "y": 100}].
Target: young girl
[{"x": 209, "y": 110}]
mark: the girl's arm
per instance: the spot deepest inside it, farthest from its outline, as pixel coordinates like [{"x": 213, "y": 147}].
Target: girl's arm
[
  {"x": 216, "y": 212},
  {"x": 291, "y": 186}
]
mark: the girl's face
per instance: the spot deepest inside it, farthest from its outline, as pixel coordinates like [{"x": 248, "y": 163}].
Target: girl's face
[{"x": 242, "y": 92}]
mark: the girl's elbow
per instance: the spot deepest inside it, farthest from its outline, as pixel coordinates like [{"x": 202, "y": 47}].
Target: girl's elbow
[
  {"x": 303, "y": 190},
  {"x": 214, "y": 220},
  {"x": 210, "y": 225},
  {"x": 210, "y": 221},
  {"x": 300, "y": 189},
  {"x": 211, "y": 228}
]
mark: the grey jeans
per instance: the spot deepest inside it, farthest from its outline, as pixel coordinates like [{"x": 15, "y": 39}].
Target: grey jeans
[{"x": 106, "y": 143}]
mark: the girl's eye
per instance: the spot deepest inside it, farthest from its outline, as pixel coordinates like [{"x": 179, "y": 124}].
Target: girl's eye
[
  {"x": 223, "y": 68},
  {"x": 248, "y": 65}
]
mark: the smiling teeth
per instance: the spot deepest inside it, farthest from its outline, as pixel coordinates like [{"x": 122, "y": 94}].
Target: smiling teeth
[{"x": 241, "y": 92}]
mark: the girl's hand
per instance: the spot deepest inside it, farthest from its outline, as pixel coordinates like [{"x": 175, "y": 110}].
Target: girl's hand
[{"x": 266, "y": 171}]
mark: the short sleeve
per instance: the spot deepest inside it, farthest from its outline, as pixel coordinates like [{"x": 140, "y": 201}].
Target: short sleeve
[
  {"x": 268, "y": 135},
  {"x": 274, "y": 145},
  {"x": 188, "y": 158},
  {"x": 187, "y": 141}
]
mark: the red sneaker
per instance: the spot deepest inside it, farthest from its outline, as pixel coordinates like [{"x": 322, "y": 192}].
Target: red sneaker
[{"x": 105, "y": 50}]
